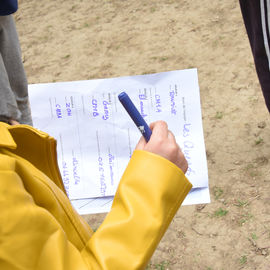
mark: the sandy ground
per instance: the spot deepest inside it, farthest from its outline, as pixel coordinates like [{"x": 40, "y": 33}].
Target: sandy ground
[{"x": 78, "y": 40}]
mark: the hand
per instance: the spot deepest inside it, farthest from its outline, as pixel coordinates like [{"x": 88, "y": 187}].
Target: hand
[
  {"x": 163, "y": 143},
  {"x": 13, "y": 122}
]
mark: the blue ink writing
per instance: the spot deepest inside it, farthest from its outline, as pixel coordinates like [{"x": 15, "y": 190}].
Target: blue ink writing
[
  {"x": 58, "y": 111},
  {"x": 158, "y": 103},
  {"x": 142, "y": 97},
  {"x": 95, "y": 107},
  {"x": 173, "y": 105},
  {"x": 76, "y": 176},
  {"x": 101, "y": 177},
  {"x": 68, "y": 107},
  {"x": 186, "y": 130},
  {"x": 65, "y": 176},
  {"x": 188, "y": 147},
  {"x": 106, "y": 110},
  {"x": 111, "y": 164}
]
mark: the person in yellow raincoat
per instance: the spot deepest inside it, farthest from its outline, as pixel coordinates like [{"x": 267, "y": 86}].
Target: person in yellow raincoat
[{"x": 39, "y": 229}]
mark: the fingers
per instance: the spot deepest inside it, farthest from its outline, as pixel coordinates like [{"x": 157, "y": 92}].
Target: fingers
[
  {"x": 162, "y": 142},
  {"x": 141, "y": 144},
  {"x": 171, "y": 137},
  {"x": 182, "y": 162},
  {"x": 159, "y": 130}
]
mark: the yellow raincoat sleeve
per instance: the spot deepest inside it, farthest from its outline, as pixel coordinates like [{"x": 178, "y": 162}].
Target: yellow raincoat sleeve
[{"x": 149, "y": 194}]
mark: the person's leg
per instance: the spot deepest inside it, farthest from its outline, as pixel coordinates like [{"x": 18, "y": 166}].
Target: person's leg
[
  {"x": 11, "y": 54},
  {"x": 8, "y": 104},
  {"x": 256, "y": 15}
]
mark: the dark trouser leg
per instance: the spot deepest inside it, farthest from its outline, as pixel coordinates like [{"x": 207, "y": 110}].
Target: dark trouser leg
[{"x": 256, "y": 15}]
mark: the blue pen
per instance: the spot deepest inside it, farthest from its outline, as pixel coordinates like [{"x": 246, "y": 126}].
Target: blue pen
[{"x": 135, "y": 115}]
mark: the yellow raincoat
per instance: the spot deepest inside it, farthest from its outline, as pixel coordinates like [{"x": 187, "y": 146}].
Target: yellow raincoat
[{"x": 39, "y": 229}]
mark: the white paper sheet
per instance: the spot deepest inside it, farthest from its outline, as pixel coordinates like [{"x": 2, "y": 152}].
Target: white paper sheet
[{"x": 96, "y": 137}]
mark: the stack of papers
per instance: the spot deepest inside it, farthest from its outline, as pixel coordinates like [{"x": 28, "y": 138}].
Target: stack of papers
[{"x": 96, "y": 136}]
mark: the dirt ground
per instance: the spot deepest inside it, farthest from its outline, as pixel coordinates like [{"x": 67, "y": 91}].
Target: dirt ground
[{"x": 68, "y": 40}]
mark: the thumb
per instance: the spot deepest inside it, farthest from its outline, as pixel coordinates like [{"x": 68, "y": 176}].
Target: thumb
[{"x": 141, "y": 144}]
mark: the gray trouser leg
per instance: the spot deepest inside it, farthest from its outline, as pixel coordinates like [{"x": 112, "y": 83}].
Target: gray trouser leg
[{"x": 14, "y": 102}]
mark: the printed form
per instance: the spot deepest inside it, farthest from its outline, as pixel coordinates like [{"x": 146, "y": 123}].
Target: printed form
[{"x": 96, "y": 136}]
